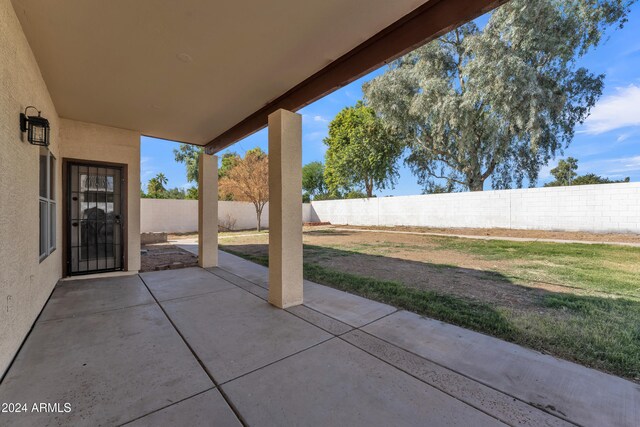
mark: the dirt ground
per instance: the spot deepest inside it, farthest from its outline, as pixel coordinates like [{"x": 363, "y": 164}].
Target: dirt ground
[
  {"x": 505, "y": 232},
  {"x": 420, "y": 261},
  {"x": 163, "y": 256}
]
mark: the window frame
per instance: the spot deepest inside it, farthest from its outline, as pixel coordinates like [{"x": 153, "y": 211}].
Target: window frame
[{"x": 49, "y": 200}]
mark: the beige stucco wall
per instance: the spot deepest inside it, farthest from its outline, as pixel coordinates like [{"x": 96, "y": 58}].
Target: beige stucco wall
[
  {"x": 25, "y": 283},
  {"x": 87, "y": 141}
]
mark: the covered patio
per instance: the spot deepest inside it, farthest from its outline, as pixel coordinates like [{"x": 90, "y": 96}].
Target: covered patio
[
  {"x": 201, "y": 347},
  {"x": 229, "y": 342}
]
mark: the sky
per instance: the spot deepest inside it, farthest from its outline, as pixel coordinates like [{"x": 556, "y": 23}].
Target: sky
[{"x": 608, "y": 143}]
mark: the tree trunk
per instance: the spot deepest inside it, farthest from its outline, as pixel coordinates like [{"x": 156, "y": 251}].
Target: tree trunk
[
  {"x": 368, "y": 184},
  {"x": 475, "y": 183},
  {"x": 258, "y": 215}
]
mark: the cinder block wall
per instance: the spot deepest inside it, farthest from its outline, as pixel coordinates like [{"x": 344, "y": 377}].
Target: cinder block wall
[
  {"x": 181, "y": 216},
  {"x": 596, "y": 208}
]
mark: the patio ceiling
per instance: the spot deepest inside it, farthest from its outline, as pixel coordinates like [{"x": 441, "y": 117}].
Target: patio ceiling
[{"x": 209, "y": 72}]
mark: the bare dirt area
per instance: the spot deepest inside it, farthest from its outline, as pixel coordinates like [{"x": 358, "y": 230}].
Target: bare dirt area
[
  {"x": 163, "y": 256},
  {"x": 505, "y": 232},
  {"x": 423, "y": 262}
]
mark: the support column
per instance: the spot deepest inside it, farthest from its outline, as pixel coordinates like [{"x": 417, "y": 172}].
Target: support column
[
  {"x": 285, "y": 208},
  {"x": 208, "y": 211}
]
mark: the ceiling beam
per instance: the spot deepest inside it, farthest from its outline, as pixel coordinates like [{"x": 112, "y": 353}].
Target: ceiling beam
[{"x": 431, "y": 20}]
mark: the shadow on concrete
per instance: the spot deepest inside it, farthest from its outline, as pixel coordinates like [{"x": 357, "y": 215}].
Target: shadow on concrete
[{"x": 598, "y": 331}]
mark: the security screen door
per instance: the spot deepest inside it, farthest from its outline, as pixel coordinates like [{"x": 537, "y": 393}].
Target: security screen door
[{"x": 95, "y": 219}]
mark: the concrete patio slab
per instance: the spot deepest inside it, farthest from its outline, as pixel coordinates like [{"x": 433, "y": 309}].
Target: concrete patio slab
[
  {"x": 248, "y": 286},
  {"x": 116, "y": 363},
  {"x": 251, "y": 271},
  {"x": 486, "y": 399},
  {"x": 79, "y": 297},
  {"x": 581, "y": 395},
  {"x": 337, "y": 384},
  {"x": 322, "y": 321},
  {"x": 348, "y": 308},
  {"x": 111, "y": 367},
  {"x": 233, "y": 332},
  {"x": 179, "y": 283},
  {"x": 205, "y": 409}
]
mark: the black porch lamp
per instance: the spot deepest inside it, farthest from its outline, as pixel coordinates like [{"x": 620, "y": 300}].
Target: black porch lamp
[{"x": 37, "y": 127}]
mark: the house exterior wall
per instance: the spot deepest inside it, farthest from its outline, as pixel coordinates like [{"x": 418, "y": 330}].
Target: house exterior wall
[
  {"x": 25, "y": 282},
  {"x": 596, "y": 208},
  {"x": 91, "y": 142}
]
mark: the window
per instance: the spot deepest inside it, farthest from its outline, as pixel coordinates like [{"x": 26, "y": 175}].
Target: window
[{"x": 47, "y": 199}]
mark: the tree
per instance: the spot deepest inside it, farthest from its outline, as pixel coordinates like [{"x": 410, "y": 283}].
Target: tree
[
  {"x": 228, "y": 161},
  {"x": 497, "y": 102},
  {"x": 190, "y": 156},
  {"x": 565, "y": 174},
  {"x": 313, "y": 180},
  {"x": 155, "y": 186},
  {"x": 436, "y": 188},
  {"x": 592, "y": 178},
  {"x": 362, "y": 152},
  {"x": 175, "y": 193},
  {"x": 192, "y": 193},
  {"x": 248, "y": 180}
]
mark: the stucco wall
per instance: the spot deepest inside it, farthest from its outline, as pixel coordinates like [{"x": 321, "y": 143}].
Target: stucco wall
[
  {"x": 87, "y": 141},
  {"x": 596, "y": 208},
  {"x": 180, "y": 216},
  {"x": 25, "y": 283}
]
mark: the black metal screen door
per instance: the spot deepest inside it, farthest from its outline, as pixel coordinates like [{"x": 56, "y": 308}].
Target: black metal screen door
[{"x": 95, "y": 219}]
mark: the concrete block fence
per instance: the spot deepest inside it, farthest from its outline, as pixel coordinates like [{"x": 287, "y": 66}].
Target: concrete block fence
[
  {"x": 594, "y": 208},
  {"x": 181, "y": 216}
]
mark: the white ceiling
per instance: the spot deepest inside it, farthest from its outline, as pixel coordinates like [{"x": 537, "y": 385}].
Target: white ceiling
[{"x": 188, "y": 70}]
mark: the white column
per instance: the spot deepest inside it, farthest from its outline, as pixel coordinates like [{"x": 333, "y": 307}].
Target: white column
[
  {"x": 208, "y": 211},
  {"x": 285, "y": 208}
]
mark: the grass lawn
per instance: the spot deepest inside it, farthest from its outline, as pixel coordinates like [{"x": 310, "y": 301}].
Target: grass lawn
[{"x": 575, "y": 301}]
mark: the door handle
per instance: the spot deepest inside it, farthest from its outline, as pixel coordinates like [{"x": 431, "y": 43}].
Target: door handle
[{"x": 75, "y": 224}]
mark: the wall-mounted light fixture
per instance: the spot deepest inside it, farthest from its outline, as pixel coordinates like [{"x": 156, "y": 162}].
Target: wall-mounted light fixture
[{"x": 37, "y": 127}]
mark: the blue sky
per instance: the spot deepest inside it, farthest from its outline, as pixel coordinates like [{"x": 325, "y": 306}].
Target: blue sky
[{"x": 607, "y": 144}]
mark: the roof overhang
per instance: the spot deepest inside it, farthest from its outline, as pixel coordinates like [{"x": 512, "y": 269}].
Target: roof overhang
[
  {"x": 210, "y": 72},
  {"x": 429, "y": 21}
]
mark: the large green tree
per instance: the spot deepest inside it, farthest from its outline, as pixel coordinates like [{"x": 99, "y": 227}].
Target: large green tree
[
  {"x": 362, "y": 152},
  {"x": 565, "y": 172},
  {"x": 190, "y": 156},
  {"x": 313, "y": 180},
  {"x": 228, "y": 161},
  {"x": 497, "y": 102}
]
